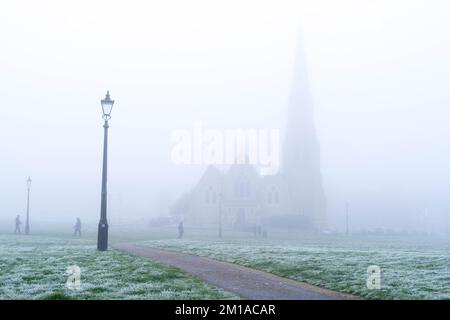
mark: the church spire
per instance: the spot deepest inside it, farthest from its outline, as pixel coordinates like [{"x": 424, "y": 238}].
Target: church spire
[{"x": 301, "y": 154}]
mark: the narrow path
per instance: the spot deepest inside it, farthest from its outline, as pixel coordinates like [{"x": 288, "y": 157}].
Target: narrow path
[{"x": 245, "y": 282}]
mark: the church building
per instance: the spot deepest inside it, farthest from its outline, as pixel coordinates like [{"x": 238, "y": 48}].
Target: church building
[{"x": 242, "y": 198}]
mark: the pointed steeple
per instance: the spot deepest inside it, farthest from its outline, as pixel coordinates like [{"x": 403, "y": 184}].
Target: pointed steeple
[
  {"x": 301, "y": 155},
  {"x": 300, "y": 123}
]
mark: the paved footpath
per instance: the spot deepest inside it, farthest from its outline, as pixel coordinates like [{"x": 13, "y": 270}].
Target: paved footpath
[{"x": 245, "y": 282}]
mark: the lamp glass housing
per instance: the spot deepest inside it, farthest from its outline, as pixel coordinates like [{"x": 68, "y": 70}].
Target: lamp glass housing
[{"x": 107, "y": 105}]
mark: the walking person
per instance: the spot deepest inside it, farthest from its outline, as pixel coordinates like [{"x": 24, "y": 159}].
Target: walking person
[
  {"x": 77, "y": 228},
  {"x": 18, "y": 223},
  {"x": 180, "y": 230}
]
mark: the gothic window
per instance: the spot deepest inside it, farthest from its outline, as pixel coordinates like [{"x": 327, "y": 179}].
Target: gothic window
[
  {"x": 243, "y": 189},
  {"x": 236, "y": 189},
  {"x": 246, "y": 189},
  {"x": 210, "y": 196},
  {"x": 207, "y": 196},
  {"x": 273, "y": 196}
]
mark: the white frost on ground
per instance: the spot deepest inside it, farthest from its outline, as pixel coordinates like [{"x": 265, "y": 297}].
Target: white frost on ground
[
  {"x": 33, "y": 267},
  {"x": 411, "y": 267}
]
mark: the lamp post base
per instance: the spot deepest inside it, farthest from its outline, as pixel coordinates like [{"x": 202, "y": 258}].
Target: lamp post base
[
  {"x": 27, "y": 230},
  {"x": 102, "y": 240}
]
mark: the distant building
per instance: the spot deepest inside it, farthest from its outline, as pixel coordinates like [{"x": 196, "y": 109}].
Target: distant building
[{"x": 293, "y": 197}]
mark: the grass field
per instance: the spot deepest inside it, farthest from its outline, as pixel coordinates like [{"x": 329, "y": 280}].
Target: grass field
[
  {"x": 411, "y": 267},
  {"x": 34, "y": 267}
]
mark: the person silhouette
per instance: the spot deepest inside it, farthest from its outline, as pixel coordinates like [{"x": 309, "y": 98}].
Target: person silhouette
[
  {"x": 180, "y": 230},
  {"x": 77, "y": 228},
  {"x": 18, "y": 223}
]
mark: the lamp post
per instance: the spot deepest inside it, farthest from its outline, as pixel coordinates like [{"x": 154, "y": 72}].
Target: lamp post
[
  {"x": 102, "y": 240},
  {"x": 220, "y": 215},
  {"x": 27, "y": 224},
  {"x": 346, "y": 219}
]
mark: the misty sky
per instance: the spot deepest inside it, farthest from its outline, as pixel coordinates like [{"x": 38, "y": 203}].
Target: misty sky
[{"x": 379, "y": 77}]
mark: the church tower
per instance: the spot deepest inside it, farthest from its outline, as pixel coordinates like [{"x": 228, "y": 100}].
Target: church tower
[{"x": 300, "y": 166}]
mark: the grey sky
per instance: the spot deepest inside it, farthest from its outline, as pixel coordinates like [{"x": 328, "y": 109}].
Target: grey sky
[{"x": 379, "y": 76}]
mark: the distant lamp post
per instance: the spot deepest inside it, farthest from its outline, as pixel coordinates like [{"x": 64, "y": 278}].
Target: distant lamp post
[
  {"x": 102, "y": 240},
  {"x": 27, "y": 224},
  {"x": 220, "y": 215},
  {"x": 347, "y": 230}
]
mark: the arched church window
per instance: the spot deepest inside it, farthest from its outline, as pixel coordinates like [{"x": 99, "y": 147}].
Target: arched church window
[
  {"x": 243, "y": 189},
  {"x": 276, "y": 198},
  {"x": 273, "y": 196},
  {"x": 210, "y": 196},
  {"x": 247, "y": 188},
  {"x": 269, "y": 197}
]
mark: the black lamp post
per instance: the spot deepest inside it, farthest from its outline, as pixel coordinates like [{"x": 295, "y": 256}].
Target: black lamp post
[
  {"x": 346, "y": 219},
  {"x": 220, "y": 215},
  {"x": 102, "y": 240},
  {"x": 27, "y": 224}
]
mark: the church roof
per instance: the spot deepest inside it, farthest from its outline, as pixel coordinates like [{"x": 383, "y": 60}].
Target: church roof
[
  {"x": 211, "y": 175},
  {"x": 242, "y": 168}
]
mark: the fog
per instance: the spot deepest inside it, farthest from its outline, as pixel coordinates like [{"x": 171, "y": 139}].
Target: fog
[{"x": 379, "y": 75}]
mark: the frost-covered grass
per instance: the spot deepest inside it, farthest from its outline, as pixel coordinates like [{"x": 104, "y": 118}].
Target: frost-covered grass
[
  {"x": 411, "y": 267},
  {"x": 34, "y": 267}
]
